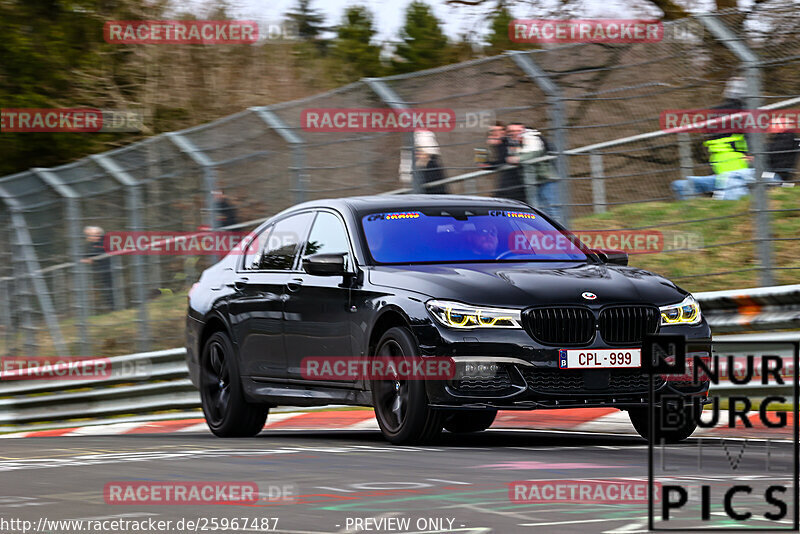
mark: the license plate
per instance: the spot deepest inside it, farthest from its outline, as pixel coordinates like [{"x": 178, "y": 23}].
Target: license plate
[{"x": 599, "y": 358}]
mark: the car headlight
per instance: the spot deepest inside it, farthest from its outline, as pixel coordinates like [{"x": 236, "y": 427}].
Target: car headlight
[
  {"x": 458, "y": 315},
  {"x": 687, "y": 312}
]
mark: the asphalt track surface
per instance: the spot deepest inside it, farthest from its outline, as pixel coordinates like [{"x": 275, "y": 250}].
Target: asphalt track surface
[{"x": 334, "y": 478}]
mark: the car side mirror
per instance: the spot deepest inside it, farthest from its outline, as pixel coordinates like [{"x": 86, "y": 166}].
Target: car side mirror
[
  {"x": 326, "y": 264},
  {"x": 615, "y": 257}
]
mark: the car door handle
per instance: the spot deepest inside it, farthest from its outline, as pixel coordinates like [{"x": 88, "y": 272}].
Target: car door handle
[
  {"x": 294, "y": 284},
  {"x": 240, "y": 283}
]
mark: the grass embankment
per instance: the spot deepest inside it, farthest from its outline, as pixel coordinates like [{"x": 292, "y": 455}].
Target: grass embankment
[
  {"x": 721, "y": 234},
  {"x": 115, "y": 333}
]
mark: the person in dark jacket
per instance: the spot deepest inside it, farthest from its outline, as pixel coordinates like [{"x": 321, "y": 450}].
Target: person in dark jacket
[
  {"x": 225, "y": 211},
  {"x": 429, "y": 161},
  {"x": 496, "y": 144},
  {"x": 512, "y": 181},
  {"x": 782, "y": 150},
  {"x": 541, "y": 178}
]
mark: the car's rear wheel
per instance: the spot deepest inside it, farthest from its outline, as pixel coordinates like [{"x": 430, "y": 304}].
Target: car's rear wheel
[
  {"x": 674, "y": 434},
  {"x": 465, "y": 421},
  {"x": 227, "y": 413},
  {"x": 401, "y": 406}
]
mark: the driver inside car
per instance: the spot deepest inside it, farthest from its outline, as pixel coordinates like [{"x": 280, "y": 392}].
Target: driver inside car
[{"x": 483, "y": 241}]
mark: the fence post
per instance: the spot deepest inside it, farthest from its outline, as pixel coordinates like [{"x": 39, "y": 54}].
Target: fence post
[
  {"x": 751, "y": 64},
  {"x": 153, "y": 193},
  {"x": 685, "y": 152},
  {"x": 558, "y": 120},
  {"x": 34, "y": 274},
  {"x": 394, "y": 101},
  {"x": 760, "y": 201},
  {"x": 134, "y": 206},
  {"x": 598, "y": 183},
  {"x": 5, "y": 311},
  {"x": 24, "y": 309},
  {"x": 75, "y": 232},
  {"x": 117, "y": 283},
  {"x": 298, "y": 147},
  {"x": 209, "y": 173}
]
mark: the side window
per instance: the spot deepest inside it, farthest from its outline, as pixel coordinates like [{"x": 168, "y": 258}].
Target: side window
[
  {"x": 328, "y": 236},
  {"x": 282, "y": 245},
  {"x": 254, "y": 248}
]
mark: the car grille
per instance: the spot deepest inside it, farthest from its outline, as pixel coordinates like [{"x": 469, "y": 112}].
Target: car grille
[
  {"x": 560, "y": 326},
  {"x": 566, "y": 382},
  {"x": 628, "y": 324},
  {"x": 476, "y": 385}
]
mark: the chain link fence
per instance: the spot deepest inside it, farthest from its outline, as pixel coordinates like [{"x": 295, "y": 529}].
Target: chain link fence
[{"x": 598, "y": 104}]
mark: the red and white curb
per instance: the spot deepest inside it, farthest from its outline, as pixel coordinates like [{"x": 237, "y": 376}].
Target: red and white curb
[{"x": 594, "y": 420}]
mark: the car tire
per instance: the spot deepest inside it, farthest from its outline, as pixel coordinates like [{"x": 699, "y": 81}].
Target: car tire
[
  {"x": 227, "y": 413},
  {"x": 640, "y": 420},
  {"x": 401, "y": 406},
  {"x": 465, "y": 421}
]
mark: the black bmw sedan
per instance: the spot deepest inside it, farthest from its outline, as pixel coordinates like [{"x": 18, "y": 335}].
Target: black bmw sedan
[{"x": 527, "y": 316}]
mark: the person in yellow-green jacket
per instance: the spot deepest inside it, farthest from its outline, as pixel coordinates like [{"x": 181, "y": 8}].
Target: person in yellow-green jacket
[
  {"x": 727, "y": 155},
  {"x": 732, "y": 172}
]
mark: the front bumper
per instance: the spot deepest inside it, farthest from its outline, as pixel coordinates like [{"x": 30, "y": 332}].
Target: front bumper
[{"x": 525, "y": 375}]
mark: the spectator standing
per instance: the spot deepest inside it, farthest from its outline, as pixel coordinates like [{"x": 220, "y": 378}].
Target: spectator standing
[
  {"x": 541, "y": 185},
  {"x": 782, "y": 151},
  {"x": 512, "y": 184},
  {"x": 225, "y": 212},
  {"x": 95, "y": 254},
  {"x": 429, "y": 161},
  {"x": 734, "y": 94},
  {"x": 497, "y": 148}
]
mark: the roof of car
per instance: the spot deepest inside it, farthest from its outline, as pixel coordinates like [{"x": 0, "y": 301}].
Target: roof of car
[{"x": 392, "y": 202}]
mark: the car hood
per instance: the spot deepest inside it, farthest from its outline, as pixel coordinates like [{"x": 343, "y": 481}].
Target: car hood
[{"x": 530, "y": 284}]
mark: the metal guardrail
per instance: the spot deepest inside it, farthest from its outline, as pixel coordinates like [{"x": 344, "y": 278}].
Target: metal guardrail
[
  {"x": 155, "y": 385},
  {"x": 137, "y": 384},
  {"x": 761, "y": 308},
  {"x": 782, "y": 344}
]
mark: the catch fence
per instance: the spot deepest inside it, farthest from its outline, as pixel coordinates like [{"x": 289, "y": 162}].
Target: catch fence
[{"x": 598, "y": 104}]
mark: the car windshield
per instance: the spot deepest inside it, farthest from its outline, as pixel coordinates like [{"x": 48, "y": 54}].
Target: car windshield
[{"x": 448, "y": 235}]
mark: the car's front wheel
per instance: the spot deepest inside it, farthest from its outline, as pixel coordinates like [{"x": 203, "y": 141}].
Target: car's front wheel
[
  {"x": 465, "y": 421},
  {"x": 227, "y": 413},
  {"x": 675, "y": 433},
  {"x": 401, "y": 406}
]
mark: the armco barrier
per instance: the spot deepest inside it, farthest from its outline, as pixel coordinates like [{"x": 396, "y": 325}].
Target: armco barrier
[
  {"x": 139, "y": 384},
  {"x": 782, "y": 344},
  {"x": 162, "y": 390},
  {"x": 761, "y": 308}
]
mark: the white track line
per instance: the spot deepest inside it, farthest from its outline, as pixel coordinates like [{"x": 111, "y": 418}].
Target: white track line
[
  {"x": 366, "y": 424},
  {"x": 616, "y": 422},
  {"x": 102, "y": 430}
]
